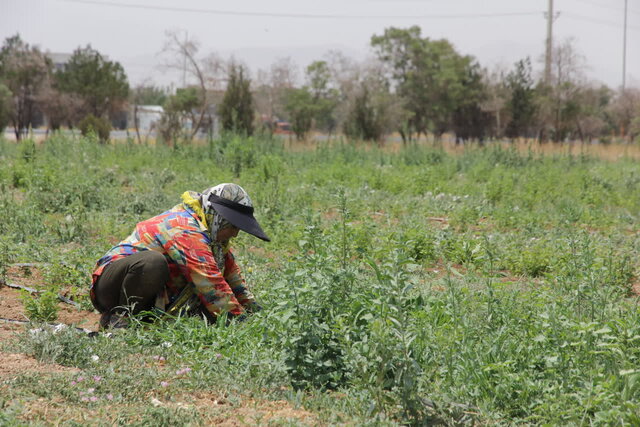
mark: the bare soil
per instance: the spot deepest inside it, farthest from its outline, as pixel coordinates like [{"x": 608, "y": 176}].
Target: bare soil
[
  {"x": 11, "y": 308},
  {"x": 247, "y": 413},
  {"x": 33, "y": 277}
]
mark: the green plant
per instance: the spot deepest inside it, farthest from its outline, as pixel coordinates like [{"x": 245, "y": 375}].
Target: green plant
[
  {"x": 236, "y": 109},
  {"x": 240, "y": 155},
  {"x": 97, "y": 126},
  {"x": 5, "y": 106},
  {"x": 42, "y": 307},
  {"x": 6, "y": 256},
  {"x": 100, "y": 84},
  {"x": 534, "y": 260}
]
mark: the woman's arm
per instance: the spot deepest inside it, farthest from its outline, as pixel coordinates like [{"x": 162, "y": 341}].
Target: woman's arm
[
  {"x": 192, "y": 253},
  {"x": 233, "y": 276}
]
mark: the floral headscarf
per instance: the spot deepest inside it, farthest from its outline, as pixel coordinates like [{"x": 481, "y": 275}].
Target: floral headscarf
[{"x": 215, "y": 221}]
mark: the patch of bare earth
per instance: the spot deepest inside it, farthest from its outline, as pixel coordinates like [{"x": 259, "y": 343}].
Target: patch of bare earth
[
  {"x": 212, "y": 409},
  {"x": 217, "y": 410},
  {"x": 11, "y": 306},
  {"x": 16, "y": 364},
  {"x": 13, "y": 365},
  {"x": 635, "y": 289}
]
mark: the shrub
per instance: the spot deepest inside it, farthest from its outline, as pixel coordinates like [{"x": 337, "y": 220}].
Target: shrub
[
  {"x": 236, "y": 109},
  {"x": 95, "y": 125},
  {"x": 5, "y": 257},
  {"x": 42, "y": 308},
  {"x": 534, "y": 260},
  {"x": 5, "y": 106}
]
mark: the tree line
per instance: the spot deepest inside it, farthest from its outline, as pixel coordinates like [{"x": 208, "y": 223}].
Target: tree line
[{"x": 412, "y": 85}]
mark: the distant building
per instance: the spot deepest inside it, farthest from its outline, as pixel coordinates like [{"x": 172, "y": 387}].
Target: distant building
[
  {"x": 282, "y": 127},
  {"x": 148, "y": 116},
  {"x": 59, "y": 60}
]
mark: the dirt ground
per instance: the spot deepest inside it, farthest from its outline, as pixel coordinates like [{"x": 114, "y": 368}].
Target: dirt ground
[{"x": 11, "y": 306}]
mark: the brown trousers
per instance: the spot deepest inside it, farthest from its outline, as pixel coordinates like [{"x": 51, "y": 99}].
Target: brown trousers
[{"x": 132, "y": 283}]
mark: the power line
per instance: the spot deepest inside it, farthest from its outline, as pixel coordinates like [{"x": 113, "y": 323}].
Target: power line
[
  {"x": 299, "y": 15},
  {"x": 606, "y": 6},
  {"x": 597, "y": 21}
]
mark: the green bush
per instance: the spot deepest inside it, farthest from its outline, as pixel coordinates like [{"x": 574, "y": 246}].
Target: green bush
[
  {"x": 41, "y": 308},
  {"x": 97, "y": 126},
  {"x": 5, "y": 256},
  {"x": 534, "y": 260}
]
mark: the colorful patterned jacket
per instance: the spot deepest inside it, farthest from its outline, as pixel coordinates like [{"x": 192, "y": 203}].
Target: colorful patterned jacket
[{"x": 181, "y": 235}]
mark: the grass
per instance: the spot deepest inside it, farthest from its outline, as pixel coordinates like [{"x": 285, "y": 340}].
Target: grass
[{"x": 410, "y": 286}]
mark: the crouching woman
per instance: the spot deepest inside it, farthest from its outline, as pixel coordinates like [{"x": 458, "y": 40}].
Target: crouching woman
[{"x": 180, "y": 260}]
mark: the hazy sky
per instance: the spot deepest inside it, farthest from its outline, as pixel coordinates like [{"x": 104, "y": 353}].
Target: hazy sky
[{"x": 259, "y": 32}]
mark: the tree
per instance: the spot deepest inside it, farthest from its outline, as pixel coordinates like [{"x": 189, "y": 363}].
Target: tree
[
  {"x": 301, "y": 109},
  {"x": 591, "y": 120},
  {"x": 558, "y": 105},
  {"x": 313, "y": 103},
  {"x": 100, "y": 84},
  {"x": 469, "y": 119},
  {"x": 272, "y": 90},
  {"x": 372, "y": 110},
  {"x": 180, "y": 114},
  {"x": 318, "y": 78},
  {"x": 183, "y": 56},
  {"x": 403, "y": 52},
  {"x": 522, "y": 100},
  {"x": 497, "y": 96},
  {"x": 624, "y": 110},
  {"x": 236, "y": 110},
  {"x": 185, "y": 102},
  {"x": 149, "y": 95},
  {"x": 428, "y": 75},
  {"x": 98, "y": 126},
  {"x": 170, "y": 126},
  {"x": 5, "y": 106},
  {"x": 60, "y": 107},
  {"x": 345, "y": 78},
  {"x": 634, "y": 129},
  {"x": 325, "y": 97},
  {"x": 23, "y": 70},
  {"x": 365, "y": 119}
]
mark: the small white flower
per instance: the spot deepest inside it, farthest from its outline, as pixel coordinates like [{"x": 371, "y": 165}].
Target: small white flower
[
  {"x": 35, "y": 332},
  {"x": 95, "y": 357},
  {"x": 59, "y": 327},
  {"x": 166, "y": 344}
]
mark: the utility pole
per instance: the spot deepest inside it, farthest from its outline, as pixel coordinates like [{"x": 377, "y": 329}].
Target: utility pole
[
  {"x": 624, "y": 48},
  {"x": 547, "y": 57}
]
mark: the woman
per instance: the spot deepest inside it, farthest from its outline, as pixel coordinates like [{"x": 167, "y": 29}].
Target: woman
[{"x": 180, "y": 259}]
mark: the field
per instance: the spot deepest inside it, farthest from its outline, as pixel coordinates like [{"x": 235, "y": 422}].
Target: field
[{"x": 489, "y": 285}]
